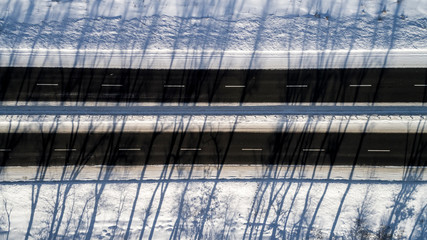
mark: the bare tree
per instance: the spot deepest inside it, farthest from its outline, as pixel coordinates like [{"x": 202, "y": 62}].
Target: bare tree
[{"x": 6, "y": 220}]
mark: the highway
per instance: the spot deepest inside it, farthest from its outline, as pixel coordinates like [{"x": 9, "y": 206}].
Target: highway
[
  {"x": 213, "y": 86},
  {"x": 188, "y": 87},
  {"x": 90, "y": 148}
]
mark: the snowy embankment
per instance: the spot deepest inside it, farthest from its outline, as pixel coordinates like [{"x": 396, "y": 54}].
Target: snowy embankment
[
  {"x": 214, "y": 34},
  {"x": 254, "y": 123},
  {"x": 89, "y": 174}
]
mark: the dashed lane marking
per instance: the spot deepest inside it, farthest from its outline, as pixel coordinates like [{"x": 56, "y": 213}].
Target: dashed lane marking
[
  {"x": 251, "y": 149},
  {"x": 360, "y": 85},
  {"x": 379, "y": 150},
  {"x": 313, "y": 150},
  {"x": 191, "y": 149},
  {"x": 173, "y": 86},
  {"x": 47, "y": 84},
  {"x": 65, "y": 149},
  {"x": 112, "y": 85},
  {"x": 129, "y": 149}
]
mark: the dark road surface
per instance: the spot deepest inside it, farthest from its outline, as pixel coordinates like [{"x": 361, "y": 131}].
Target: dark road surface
[
  {"x": 213, "y": 86},
  {"x": 213, "y": 148}
]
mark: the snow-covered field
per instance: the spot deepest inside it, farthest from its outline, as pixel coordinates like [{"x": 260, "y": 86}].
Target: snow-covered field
[
  {"x": 209, "y": 207},
  {"x": 266, "y": 25},
  {"x": 214, "y": 34}
]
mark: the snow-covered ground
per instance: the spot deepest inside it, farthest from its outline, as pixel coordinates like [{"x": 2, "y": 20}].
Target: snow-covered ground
[
  {"x": 214, "y": 34},
  {"x": 172, "y": 203},
  {"x": 266, "y": 25},
  {"x": 176, "y": 204}
]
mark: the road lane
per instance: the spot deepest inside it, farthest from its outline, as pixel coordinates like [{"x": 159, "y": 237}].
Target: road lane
[
  {"x": 213, "y": 86},
  {"x": 211, "y": 147}
]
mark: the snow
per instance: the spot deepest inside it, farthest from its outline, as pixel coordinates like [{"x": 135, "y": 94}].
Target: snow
[
  {"x": 214, "y": 123},
  {"x": 207, "y": 59},
  {"x": 218, "y": 207},
  {"x": 229, "y": 173},
  {"x": 62, "y": 10},
  {"x": 213, "y": 34}
]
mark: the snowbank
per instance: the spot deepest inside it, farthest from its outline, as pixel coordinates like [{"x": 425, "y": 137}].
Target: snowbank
[
  {"x": 196, "y": 59},
  {"x": 203, "y": 172},
  {"x": 214, "y": 34},
  {"x": 262, "y": 124}
]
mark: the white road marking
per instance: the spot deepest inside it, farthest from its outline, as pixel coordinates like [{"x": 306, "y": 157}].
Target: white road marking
[
  {"x": 420, "y": 85},
  {"x": 360, "y": 85},
  {"x": 191, "y": 149},
  {"x": 235, "y": 86},
  {"x": 174, "y": 86},
  {"x": 251, "y": 149},
  {"x": 65, "y": 149},
  {"x": 47, "y": 84},
  {"x": 296, "y": 86},
  {"x": 379, "y": 150},
  {"x": 129, "y": 149},
  {"x": 313, "y": 150},
  {"x": 5, "y": 150},
  {"x": 112, "y": 85}
]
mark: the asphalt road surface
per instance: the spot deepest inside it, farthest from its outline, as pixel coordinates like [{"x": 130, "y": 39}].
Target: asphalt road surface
[
  {"x": 32, "y": 149},
  {"x": 213, "y": 86}
]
